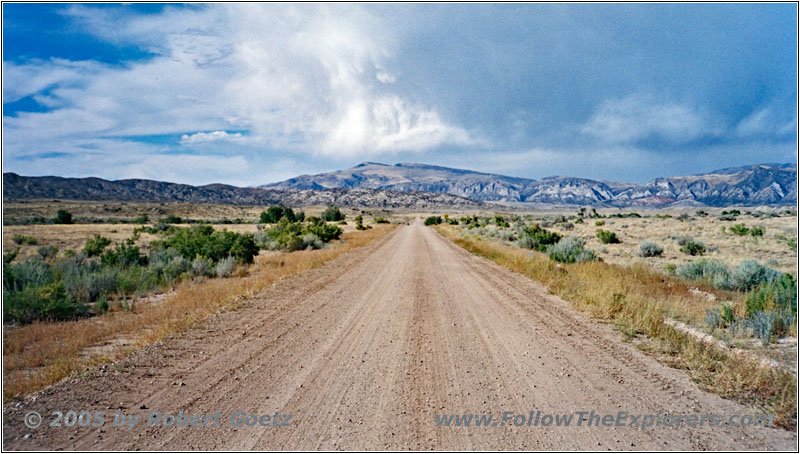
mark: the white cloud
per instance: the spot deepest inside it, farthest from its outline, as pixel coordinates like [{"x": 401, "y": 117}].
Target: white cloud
[
  {"x": 640, "y": 117},
  {"x": 214, "y": 136},
  {"x": 301, "y": 79}
]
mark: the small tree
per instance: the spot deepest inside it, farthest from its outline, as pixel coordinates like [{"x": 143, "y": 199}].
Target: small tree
[
  {"x": 332, "y": 213},
  {"x": 63, "y": 217},
  {"x": 95, "y": 245}
]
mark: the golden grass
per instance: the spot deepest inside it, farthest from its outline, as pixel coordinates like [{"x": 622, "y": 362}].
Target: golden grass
[
  {"x": 638, "y": 300},
  {"x": 39, "y": 354}
]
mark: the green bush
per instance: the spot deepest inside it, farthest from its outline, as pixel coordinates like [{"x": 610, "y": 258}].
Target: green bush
[
  {"x": 607, "y": 237},
  {"x": 277, "y": 212},
  {"x": 172, "y": 219},
  {"x": 202, "y": 240},
  {"x": 500, "y": 221},
  {"x": 63, "y": 217},
  {"x": 537, "y": 238},
  {"x": 386, "y": 221},
  {"x": 325, "y": 232},
  {"x": 757, "y": 231},
  {"x": 142, "y": 219},
  {"x": 693, "y": 247},
  {"x": 24, "y": 239},
  {"x": 47, "y": 302},
  {"x": 9, "y": 256},
  {"x": 739, "y": 229},
  {"x": 599, "y": 223},
  {"x": 332, "y": 213},
  {"x": 360, "y": 223},
  {"x": 95, "y": 245},
  {"x": 293, "y": 236},
  {"x": 570, "y": 250},
  {"x": 123, "y": 255},
  {"x": 433, "y": 220},
  {"x": 47, "y": 252}
]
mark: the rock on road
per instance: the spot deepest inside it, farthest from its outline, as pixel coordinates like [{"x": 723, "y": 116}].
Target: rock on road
[{"x": 367, "y": 349}]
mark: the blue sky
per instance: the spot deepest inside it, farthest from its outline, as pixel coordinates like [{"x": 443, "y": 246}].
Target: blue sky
[{"x": 248, "y": 94}]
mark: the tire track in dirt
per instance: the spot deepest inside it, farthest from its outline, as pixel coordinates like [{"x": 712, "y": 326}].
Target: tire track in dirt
[{"x": 365, "y": 350}]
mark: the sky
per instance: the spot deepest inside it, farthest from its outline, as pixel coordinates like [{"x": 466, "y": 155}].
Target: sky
[{"x": 248, "y": 94}]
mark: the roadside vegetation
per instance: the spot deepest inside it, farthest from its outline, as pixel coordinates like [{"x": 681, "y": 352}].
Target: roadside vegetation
[
  {"x": 80, "y": 302},
  {"x": 749, "y": 302},
  {"x": 89, "y": 281}
]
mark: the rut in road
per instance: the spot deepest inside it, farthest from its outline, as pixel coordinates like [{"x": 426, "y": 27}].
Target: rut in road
[{"x": 366, "y": 350}]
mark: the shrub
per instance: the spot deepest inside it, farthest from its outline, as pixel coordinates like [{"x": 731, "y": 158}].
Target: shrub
[
  {"x": 433, "y": 220},
  {"x": 332, "y": 213},
  {"x": 47, "y": 252},
  {"x": 142, "y": 219},
  {"x": 202, "y": 240},
  {"x": 739, "y": 229},
  {"x": 47, "y": 302},
  {"x": 757, "y": 231},
  {"x": 570, "y": 250},
  {"x": 763, "y": 323},
  {"x": 713, "y": 319},
  {"x": 63, "y": 217},
  {"x": 202, "y": 266},
  {"x": 650, "y": 249},
  {"x": 750, "y": 274},
  {"x": 386, "y": 221},
  {"x": 537, "y": 238},
  {"x": 24, "y": 239},
  {"x": 95, "y": 245},
  {"x": 325, "y": 232},
  {"x": 599, "y": 223},
  {"x": 177, "y": 266},
  {"x": 360, "y": 223},
  {"x": 311, "y": 241},
  {"x": 683, "y": 217},
  {"x": 9, "y": 256},
  {"x": 226, "y": 266},
  {"x": 713, "y": 272},
  {"x": 693, "y": 247},
  {"x": 277, "y": 212},
  {"x": 172, "y": 219},
  {"x": 123, "y": 255},
  {"x": 500, "y": 221},
  {"x": 607, "y": 237}
]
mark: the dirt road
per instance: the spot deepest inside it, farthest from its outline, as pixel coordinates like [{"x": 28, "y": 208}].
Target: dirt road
[{"x": 366, "y": 350}]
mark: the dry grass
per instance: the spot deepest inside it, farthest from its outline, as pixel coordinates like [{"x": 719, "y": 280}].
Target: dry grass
[
  {"x": 637, "y": 300},
  {"x": 37, "y": 355}
]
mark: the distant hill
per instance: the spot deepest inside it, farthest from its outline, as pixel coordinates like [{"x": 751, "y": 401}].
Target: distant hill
[
  {"x": 760, "y": 184},
  {"x": 16, "y": 187}
]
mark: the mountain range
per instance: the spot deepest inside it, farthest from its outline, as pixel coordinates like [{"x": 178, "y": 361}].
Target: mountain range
[
  {"x": 16, "y": 187},
  {"x": 422, "y": 186},
  {"x": 760, "y": 184}
]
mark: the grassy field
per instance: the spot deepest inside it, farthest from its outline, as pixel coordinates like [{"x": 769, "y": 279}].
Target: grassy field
[{"x": 660, "y": 226}]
